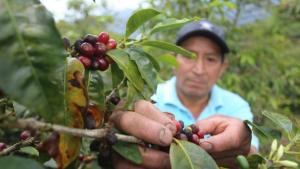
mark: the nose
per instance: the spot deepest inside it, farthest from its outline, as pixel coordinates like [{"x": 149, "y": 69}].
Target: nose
[{"x": 199, "y": 66}]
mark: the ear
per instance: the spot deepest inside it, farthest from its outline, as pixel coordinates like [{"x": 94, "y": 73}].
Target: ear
[{"x": 224, "y": 66}]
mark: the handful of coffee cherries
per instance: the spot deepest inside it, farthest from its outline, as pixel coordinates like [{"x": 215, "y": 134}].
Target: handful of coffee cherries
[{"x": 91, "y": 51}]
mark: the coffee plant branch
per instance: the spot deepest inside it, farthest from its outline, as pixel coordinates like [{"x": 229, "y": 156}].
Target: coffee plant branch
[
  {"x": 32, "y": 123},
  {"x": 18, "y": 145}
]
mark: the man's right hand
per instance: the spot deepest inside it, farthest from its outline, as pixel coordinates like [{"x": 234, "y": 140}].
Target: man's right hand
[{"x": 149, "y": 124}]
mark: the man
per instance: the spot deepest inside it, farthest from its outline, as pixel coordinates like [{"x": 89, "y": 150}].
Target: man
[
  {"x": 192, "y": 94},
  {"x": 193, "y": 97}
]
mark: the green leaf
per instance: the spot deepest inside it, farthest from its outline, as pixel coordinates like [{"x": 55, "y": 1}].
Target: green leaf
[
  {"x": 32, "y": 57},
  {"x": 116, "y": 74},
  {"x": 96, "y": 89},
  {"x": 128, "y": 67},
  {"x": 29, "y": 150},
  {"x": 129, "y": 151},
  {"x": 145, "y": 67},
  {"x": 184, "y": 154},
  {"x": 138, "y": 18},
  {"x": 131, "y": 93},
  {"x": 14, "y": 162},
  {"x": 171, "y": 24},
  {"x": 281, "y": 121},
  {"x": 258, "y": 130},
  {"x": 170, "y": 47},
  {"x": 254, "y": 160},
  {"x": 168, "y": 59}
]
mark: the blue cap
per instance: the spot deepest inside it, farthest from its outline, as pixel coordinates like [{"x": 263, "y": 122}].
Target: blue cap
[{"x": 203, "y": 28}]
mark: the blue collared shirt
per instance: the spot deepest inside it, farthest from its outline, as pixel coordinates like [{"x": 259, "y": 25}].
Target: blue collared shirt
[{"x": 221, "y": 102}]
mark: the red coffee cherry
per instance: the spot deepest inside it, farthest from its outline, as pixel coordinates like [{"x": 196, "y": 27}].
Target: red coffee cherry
[
  {"x": 178, "y": 126},
  {"x": 87, "y": 49},
  {"x": 103, "y": 63},
  {"x": 103, "y": 37},
  {"x": 2, "y": 146},
  {"x": 87, "y": 62},
  {"x": 100, "y": 49},
  {"x": 25, "y": 135},
  {"x": 111, "y": 44}
]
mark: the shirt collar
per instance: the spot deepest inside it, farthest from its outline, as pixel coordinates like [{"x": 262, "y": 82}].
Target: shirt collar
[{"x": 171, "y": 97}]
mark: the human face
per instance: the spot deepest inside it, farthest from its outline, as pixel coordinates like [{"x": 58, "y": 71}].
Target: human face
[{"x": 196, "y": 77}]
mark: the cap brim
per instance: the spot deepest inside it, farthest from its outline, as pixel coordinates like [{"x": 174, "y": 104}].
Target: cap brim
[{"x": 207, "y": 34}]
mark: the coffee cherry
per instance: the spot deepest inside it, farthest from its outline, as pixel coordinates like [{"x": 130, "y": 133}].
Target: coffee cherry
[
  {"x": 94, "y": 146},
  {"x": 178, "y": 126},
  {"x": 111, "y": 44},
  {"x": 100, "y": 49},
  {"x": 181, "y": 123},
  {"x": 81, "y": 157},
  {"x": 114, "y": 99},
  {"x": 92, "y": 39},
  {"x": 85, "y": 61},
  {"x": 104, "y": 157},
  {"x": 77, "y": 45},
  {"x": 103, "y": 63},
  {"x": 111, "y": 138},
  {"x": 2, "y": 146},
  {"x": 95, "y": 64},
  {"x": 109, "y": 59},
  {"x": 103, "y": 37},
  {"x": 87, "y": 49},
  {"x": 200, "y": 135},
  {"x": 25, "y": 135},
  {"x": 195, "y": 128},
  {"x": 181, "y": 136},
  {"x": 188, "y": 132}
]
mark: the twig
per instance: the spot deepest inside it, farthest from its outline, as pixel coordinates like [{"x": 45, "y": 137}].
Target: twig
[
  {"x": 17, "y": 146},
  {"x": 114, "y": 90},
  {"x": 8, "y": 113},
  {"x": 94, "y": 133}
]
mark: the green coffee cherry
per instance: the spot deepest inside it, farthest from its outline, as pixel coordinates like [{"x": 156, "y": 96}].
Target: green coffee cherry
[{"x": 243, "y": 162}]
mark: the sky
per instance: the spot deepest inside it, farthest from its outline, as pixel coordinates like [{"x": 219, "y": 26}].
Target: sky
[{"x": 59, "y": 7}]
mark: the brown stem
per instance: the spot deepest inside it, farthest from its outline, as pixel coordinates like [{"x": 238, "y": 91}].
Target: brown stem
[
  {"x": 17, "y": 146},
  {"x": 94, "y": 133},
  {"x": 114, "y": 90}
]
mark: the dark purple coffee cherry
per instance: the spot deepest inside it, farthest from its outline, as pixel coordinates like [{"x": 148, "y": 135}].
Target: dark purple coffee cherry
[
  {"x": 95, "y": 64},
  {"x": 86, "y": 61},
  {"x": 111, "y": 138},
  {"x": 95, "y": 145},
  {"x": 100, "y": 49},
  {"x": 103, "y": 63},
  {"x": 92, "y": 39},
  {"x": 115, "y": 99},
  {"x": 195, "y": 128},
  {"x": 87, "y": 49},
  {"x": 77, "y": 45}
]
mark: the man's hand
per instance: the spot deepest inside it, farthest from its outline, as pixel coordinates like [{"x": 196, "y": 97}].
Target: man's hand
[
  {"x": 229, "y": 137},
  {"x": 150, "y": 125}
]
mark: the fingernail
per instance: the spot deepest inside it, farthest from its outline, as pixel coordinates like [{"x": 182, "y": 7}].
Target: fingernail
[
  {"x": 164, "y": 138},
  {"x": 171, "y": 126},
  {"x": 205, "y": 145}
]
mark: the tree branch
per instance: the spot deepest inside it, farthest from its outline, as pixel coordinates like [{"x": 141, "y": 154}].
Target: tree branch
[
  {"x": 17, "y": 146},
  {"x": 94, "y": 133},
  {"x": 114, "y": 90}
]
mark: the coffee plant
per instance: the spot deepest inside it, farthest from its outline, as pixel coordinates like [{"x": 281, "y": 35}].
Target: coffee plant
[{"x": 56, "y": 99}]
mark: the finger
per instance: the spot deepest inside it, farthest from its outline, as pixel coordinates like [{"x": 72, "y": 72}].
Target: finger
[
  {"x": 138, "y": 126},
  {"x": 154, "y": 158},
  {"x": 147, "y": 109},
  {"x": 213, "y": 125}
]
